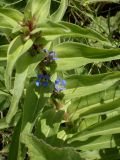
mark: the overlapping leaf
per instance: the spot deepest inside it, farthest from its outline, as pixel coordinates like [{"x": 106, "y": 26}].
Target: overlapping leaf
[
  {"x": 38, "y": 149},
  {"x": 21, "y": 74},
  {"x": 15, "y": 50},
  {"x": 59, "y": 13},
  {"x": 73, "y": 55}
]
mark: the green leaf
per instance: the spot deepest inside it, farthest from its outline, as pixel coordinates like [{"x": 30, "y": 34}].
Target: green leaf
[
  {"x": 92, "y": 87},
  {"x": 4, "y": 92},
  {"x": 15, "y": 142},
  {"x": 4, "y": 28},
  {"x": 86, "y": 2},
  {"x": 81, "y": 50},
  {"x": 59, "y": 13},
  {"x": 3, "y": 52},
  {"x": 12, "y": 13},
  {"x": 33, "y": 106},
  {"x": 31, "y": 102},
  {"x": 39, "y": 9},
  {"x": 6, "y": 24},
  {"x": 73, "y": 55},
  {"x": 75, "y": 81},
  {"x": 99, "y": 102},
  {"x": 49, "y": 123},
  {"x": 51, "y": 31},
  {"x": 38, "y": 149},
  {"x": 3, "y": 124},
  {"x": 95, "y": 143},
  {"x": 103, "y": 154},
  {"x": 102, "y": 109},
  {"x": 92, "y": 95},
  {"x": 16, "y": 49},
  {"x": 35, "y": 100},
  {"x": 4, "y": 103},
  {"x": 9, "y": 19},
  {"x": 22, "y": 71},
  {"x": 78, "y": 31},
  {"x": 106, "y": 127},
  {"x": 18, "y": 86},
  {"x": 50, "y": 28}
]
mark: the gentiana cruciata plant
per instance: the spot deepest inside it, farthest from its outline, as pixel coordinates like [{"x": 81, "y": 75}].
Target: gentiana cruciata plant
[{"x": 57, "y": 99}]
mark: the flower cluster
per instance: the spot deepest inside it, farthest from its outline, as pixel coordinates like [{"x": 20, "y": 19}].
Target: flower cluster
[
  {"x": 51, "y": 56},
  {"x": 60, "y": 85},
  {"x": 43, "y": 80}
]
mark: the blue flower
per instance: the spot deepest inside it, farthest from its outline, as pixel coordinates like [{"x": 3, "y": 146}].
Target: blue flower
[
  {"x": 40, "y": 76},
  {"x": 43, "y": 80},
  {"x": 45, "y": 84},
  {"x": 47, "y": 77},
  {"x": 63, "y": 82},
  {"x": 52, "y": 56},
  {"x": 37, "y": 83},
  {"x": 60, "y": 85},
  {"x": 57, "y": 81}
]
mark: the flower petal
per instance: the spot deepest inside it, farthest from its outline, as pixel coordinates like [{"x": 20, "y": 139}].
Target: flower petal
[
  {"x": 57, "y": 81},
  {"x": 55, "y": 59},
  {"x": 37, "y": 83},
  {"x": 47, "y": 77},
  {"x": 64, "y": 82},
  {"x": 45, "y": 84},
  {"x": 40, "y": 76}
]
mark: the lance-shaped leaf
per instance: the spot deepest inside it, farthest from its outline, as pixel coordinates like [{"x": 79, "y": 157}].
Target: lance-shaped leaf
[
  {"x": 86, "y": 2},
  {"x": 33, "y": 106},
  {"x": 96, "y": 103},
  {"x": 59, "y": 13},
  {"x": 38, "y": 9},
  {"x": 3, "y": 124},
  {"x": 15, "y": 51},
  {"x": 34, "y": 103},
  {"x": 38, "y": 149},
  {"x": 21, "y": 74},
  {"x": 51, "y": 31},
  {"x": 6, "y": 29},
  {"x": 12, "y": 13},
  {"x": 7, "y": 21},
  {"x": 3, "y": 52},
  {"x": 48, "y": 126},
  {"x": 106, "y": 127},
  {"x": 9, "y": 18},
  {"x": 84, "y": 32},
  {"x": 15, "y": 142},
  {"x": 93, "y": 87},
  {"x": 75, "y": 81},
  {"x": 95, "y": 143},
  {"x": 4, "y": 92},
  {"x": 73, "y": 55},
  {"x": 101, "y": 109}
]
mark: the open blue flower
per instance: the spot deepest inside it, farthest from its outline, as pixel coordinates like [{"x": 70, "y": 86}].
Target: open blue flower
[
  {"x": 37, "y": 83},
  {"x": 40, "y": 76},
  {"x": 60, "y": 85},
  {"x": 43, "y": 80},
  {"x": 51, "y": 56},
  {"x": 45, "y": 84}
]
